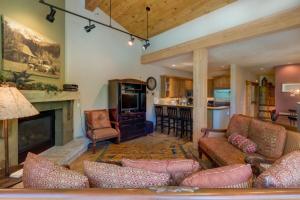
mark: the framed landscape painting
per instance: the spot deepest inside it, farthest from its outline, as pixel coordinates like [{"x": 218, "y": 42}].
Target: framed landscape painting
[{"x": 25, "y": 49}]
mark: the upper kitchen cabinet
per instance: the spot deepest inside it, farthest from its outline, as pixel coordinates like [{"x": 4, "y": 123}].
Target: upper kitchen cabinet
[
  {"x": 221, "y": 82},
  {"x": 175, "y": 87}
]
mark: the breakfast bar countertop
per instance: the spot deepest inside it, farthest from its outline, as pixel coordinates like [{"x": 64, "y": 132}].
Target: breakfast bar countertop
[{"x": 191, "y": 106}]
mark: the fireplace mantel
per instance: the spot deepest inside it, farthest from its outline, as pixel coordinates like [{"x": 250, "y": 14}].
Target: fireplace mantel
[{"x": 38, "y": 96}]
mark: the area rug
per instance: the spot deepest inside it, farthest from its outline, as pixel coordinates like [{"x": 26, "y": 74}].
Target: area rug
[{"x": 157, "y": 146}]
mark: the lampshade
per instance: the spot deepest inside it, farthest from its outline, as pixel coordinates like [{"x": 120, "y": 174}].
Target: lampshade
[{"x": 14, "y": 105}]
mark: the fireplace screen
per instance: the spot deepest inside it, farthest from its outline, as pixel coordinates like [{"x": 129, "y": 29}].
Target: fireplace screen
[{"x": 36, "y": 134}]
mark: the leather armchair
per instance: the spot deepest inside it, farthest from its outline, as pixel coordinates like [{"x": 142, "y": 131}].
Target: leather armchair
[{"x": 99, "y": 127}]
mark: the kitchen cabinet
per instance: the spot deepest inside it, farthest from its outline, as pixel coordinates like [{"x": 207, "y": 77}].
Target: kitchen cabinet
[
  {"x": 175, "y": 87},
  {"x": 221, "y": 82}
]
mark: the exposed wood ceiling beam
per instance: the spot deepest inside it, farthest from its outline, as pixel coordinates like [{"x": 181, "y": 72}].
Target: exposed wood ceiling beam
[{"x": 277, "y": 22}]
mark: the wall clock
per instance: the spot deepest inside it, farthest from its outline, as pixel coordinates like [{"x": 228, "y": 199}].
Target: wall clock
[{"x": 151, "y": 83}]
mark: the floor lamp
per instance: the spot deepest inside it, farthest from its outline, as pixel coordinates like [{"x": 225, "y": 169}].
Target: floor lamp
[{"x": 13, "y": 105}]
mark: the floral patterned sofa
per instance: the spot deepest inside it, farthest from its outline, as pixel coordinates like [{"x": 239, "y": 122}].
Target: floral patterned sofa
[{"x": 273, "y": 141}]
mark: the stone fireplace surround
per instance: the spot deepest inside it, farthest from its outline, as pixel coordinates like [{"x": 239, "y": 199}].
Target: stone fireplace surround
[{"x": 61, "y": 102}]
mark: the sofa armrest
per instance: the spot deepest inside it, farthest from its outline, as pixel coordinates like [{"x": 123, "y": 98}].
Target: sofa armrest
[
  {"x": 115, "y": 125},
  {"x": 206, "y": 131}
]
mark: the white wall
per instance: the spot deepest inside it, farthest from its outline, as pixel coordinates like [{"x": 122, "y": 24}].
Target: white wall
[
  {"x": 96, "y": 57},
  {"x": 239, "y": 76},
  {"x": 237, "y": 13}
]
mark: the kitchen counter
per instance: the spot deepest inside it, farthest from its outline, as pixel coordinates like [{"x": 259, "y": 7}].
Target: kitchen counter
[
  {"x": 217, "y": 116},
  {"x": 191, "y": 106}
]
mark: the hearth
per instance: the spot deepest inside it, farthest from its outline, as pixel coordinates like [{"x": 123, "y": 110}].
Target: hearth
[{"x": 36, "y": 134}]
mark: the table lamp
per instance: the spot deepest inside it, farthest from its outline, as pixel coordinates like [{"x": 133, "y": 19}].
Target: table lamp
[{"x": 13, "y": 105}]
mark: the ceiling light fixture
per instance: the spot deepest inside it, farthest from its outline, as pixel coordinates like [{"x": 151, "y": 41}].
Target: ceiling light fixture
[
  {"x": 51, "y": 16},
  {"x": 147, "y": 43},
  {"x": 131, "y": 41},
  {"x": 89, "y": 27},
  {"x": 173, "y": 65}
]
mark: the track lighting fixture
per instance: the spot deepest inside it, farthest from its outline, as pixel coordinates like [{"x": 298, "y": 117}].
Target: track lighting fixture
[
  {"x": 131, "y": 41},
  {"x": 51, "y": 16},
  {"x": 89, "y": 27},
  {"x": 146, "y": 45}
]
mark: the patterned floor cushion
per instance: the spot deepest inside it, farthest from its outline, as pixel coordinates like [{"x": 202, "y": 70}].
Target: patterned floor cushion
[
  {"x": 231, "y": 176},
  {"x": 284, "y": 173},
  {"x": 40, "y": 173},
  {"x": 177, "y": 168},
  {"x": 103, "y": 175}
]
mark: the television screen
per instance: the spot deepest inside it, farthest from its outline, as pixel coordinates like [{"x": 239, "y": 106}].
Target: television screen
[{"x": 129, "y": 101}]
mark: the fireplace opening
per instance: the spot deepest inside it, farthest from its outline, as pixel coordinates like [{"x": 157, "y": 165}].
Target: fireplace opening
[{"x": 36, "y": 134}]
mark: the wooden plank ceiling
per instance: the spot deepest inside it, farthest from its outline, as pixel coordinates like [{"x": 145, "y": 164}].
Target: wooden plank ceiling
[{"x": 164, "y": 14}]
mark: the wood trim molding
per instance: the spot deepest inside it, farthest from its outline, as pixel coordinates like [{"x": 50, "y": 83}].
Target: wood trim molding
[
  {"x": 145, "y": 194},
  {"x": 277, "y": 22}
]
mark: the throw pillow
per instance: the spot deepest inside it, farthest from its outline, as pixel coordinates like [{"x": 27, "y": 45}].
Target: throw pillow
[
  {"x": 284, "y": 173},
  {"x": 231, "y": 176},
  {"x": 103, "y": 175},
  {"x": 177, "y": 168},
  {"x": 40, "y": 173},
  {"x": 243, "y": 143}
]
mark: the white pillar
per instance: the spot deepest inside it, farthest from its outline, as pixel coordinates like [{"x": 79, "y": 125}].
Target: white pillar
[
  {"x": 200, "y": 64},
  {"x": 233, "y": 89}
]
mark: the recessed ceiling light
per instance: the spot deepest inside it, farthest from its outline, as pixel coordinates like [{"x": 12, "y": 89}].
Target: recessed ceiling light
[
  {"x": 262, "y": 68},
  {"x": 173, "y": 65}
]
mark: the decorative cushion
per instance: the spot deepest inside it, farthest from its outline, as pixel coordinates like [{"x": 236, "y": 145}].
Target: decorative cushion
[
  {"x": 270, "y": 138},
  {"x": 178, "y": 169},
  {"x": 231, "y": 176},
  {"x": 40, "y": 173},
  {"x": 221, "y": 151},
  {"x": 239, "y": 124},
  {"x": 103, "y": 133},
  {"x": 98, "y": 119},
  {"x": 103, "y": 175},
  {"x": 242, "y": 143},
  {"x": 284, "y": 173}
]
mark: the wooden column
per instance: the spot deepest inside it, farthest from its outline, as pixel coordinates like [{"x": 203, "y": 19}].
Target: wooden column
[{"x": 200, "y": 59}]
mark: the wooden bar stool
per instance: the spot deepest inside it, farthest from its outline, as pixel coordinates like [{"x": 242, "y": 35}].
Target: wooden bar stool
[
  {"x": 161, "y": 118},
  {"x": 186, "y": 122},
  {"x": 172, "y": 119}
]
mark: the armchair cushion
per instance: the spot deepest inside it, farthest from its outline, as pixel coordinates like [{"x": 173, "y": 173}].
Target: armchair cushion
[
  {"x": 270, "y": 138},
  {"x": 103, "y": 133},
  {"x": 221, "y": 151},
  {"x": 239, "y": 124},
  {"x": 243, "y": 143},
  {"x": 177, "y": 168},
  {"x": 231, "y": 176},
  {"x": 40, "y": 173},
  {"x": 103, "y": 175},
  {"x": 98, "y": 119},
  {"x": 284, "y": 173}
]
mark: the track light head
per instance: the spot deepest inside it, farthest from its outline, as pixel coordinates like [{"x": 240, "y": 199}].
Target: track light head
[
  {"x": 51, "y": 16},
  {"x": 89, "y": 27},
  {"x": 146, "y": 45},
  {"x": 131, "y": 41}
]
